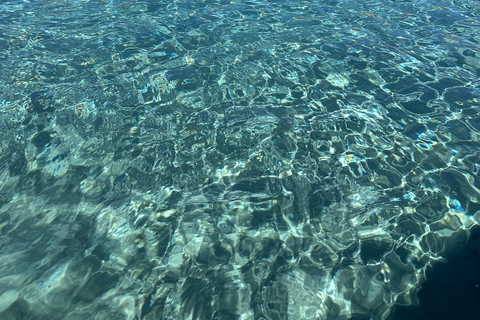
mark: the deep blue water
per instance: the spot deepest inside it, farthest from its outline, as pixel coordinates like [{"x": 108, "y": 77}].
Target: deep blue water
[{"x": 239, "y": 159}]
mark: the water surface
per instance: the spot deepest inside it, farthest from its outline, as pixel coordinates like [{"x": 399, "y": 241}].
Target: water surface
[{"x": 233, "y": 159}]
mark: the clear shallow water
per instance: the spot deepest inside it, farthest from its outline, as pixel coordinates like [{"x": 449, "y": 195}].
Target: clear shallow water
[{"x": 233, "y": 160}]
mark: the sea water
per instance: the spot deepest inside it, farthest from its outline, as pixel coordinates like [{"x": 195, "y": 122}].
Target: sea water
[{"x": 233, "y": 159}]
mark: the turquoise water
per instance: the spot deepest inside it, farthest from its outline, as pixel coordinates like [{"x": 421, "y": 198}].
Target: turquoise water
[{"x": 233, "y": 159}]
